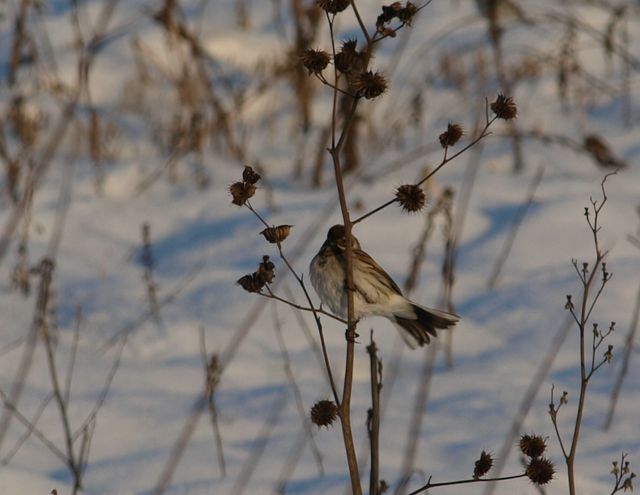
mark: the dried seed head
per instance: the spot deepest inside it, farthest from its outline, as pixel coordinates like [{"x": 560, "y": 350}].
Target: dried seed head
[
  {"x": 504, "y": 107},
  {"x": 266, "y": 271},
  {"x": 411, "y": 197},
  {"x": 349, "y": 60},
  {"x": 532, "y": 445},
  {"x": 369, "y": 84},
  {"x": 250, "y": 283},
  {"x": 540, "y": 470},
  {"x": 250, "y": 176},
  {"x": 451, "y": 136},
  {"x": 483, "y": 465},
  {"x": 407, "y": 14},
  {"x": 241, "y": 192},
  {"x": 324, "y": 413},
  {"x": 315, "y": 60},
  {"x": 569, "y": 303},
  {"x": 333, "y": 6},
  {"x": 395, "y": 11},
  {"x": 276, "y": 234},
  {"x": 608, "y": 355},
  {"x": 601, "y": 152}
]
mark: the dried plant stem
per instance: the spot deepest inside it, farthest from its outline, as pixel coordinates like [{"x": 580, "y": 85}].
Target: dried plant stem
[
  {"x": 37, "y": 325},
  {"x": 75, "y": 464},
  {"x": 588, "y": 301},
  {"x": 11, "y": 408},
  {"x": 211, "y": 370},
  {"x": 311, "y": 307},
  {"x": 373, "y": 417},
  {"x": 465, "y": 482},
  {"x": 446, "y": 159}
]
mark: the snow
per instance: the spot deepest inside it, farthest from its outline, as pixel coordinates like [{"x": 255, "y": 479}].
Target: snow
[{"x": 202, "y": 244}]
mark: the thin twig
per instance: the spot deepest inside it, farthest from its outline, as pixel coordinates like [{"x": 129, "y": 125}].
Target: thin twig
[{"x": 212, "y": 378}]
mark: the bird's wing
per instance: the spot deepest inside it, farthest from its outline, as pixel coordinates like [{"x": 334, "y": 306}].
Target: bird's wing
[{"x": 372, "y": 274}]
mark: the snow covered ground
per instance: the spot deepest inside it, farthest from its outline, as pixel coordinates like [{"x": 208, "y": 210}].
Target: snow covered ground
[{"x": 201, "y": 244}]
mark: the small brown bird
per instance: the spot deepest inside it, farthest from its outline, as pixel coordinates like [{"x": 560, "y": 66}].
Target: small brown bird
[{"x": 375, "y": 291}]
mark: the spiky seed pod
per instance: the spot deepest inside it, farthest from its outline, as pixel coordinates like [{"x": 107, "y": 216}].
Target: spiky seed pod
[
  {"x": 348, "y": 60},
  {"x": 315, "y": 61},
  {"x": 411, "y": 197},
  {"x": 540, "y": 470},
  {"x": 389, "y": 12},
  {"x": 395, "y": 11},
  {"x": 483, "y": 465},
  {"x": 276, "y": 234},
  {"x": 532, "y": 445},
  {"x": 241, "y": 192},
  {"x": 369, "y": 84},
  {"x": 250, "y": 176},
  {"x": 451, "y": 136},
  {"x": 250, "y": 283},
  {"x": 333, "y": 6},
  {"x": 407, "y": 14},
  {"x": 504, "y": 107},
  {"x": 324, "y": 413}
]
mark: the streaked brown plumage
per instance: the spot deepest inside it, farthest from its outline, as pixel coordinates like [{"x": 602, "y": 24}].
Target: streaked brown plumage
[{"x": 375, "y": 291}]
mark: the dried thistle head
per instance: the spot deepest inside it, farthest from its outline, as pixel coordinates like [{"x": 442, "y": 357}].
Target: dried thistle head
[
  {"x": 452, "y": 135},
  {"x": 250, "y": 283},
  {"x": 241, "y": 192},
  {"x": 276, "y": 234},
  {"x": 369, "y": 84},
  {"x": 482, "y": 465},
  {"x": 532, "y": 445},
  {"x": 315, "y": 61},
  {"x": 324, "y": 413},
  {"x": 540, "y": 470},
  {"x": 349, "y": 60},
  {"x": 395, "y": 11},
  {"x": 504, "y": 107},
  {"x": 411, "y": 197},
  {"x": 333, "y": 6},
  {"x": 250, "y": 176}
]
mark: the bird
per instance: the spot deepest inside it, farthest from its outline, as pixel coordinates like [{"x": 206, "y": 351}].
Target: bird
[{"x": 375, "y": 292}]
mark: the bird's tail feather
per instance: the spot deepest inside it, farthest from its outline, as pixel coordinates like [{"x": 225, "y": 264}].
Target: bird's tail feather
[{"x": 424, "y": 324}]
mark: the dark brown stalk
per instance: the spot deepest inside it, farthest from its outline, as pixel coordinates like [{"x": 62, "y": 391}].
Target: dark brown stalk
[
  {"x": 373, "y": 417},
  {"x": 587, "y": 275},
  {"x": 464, "y": 482}
]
